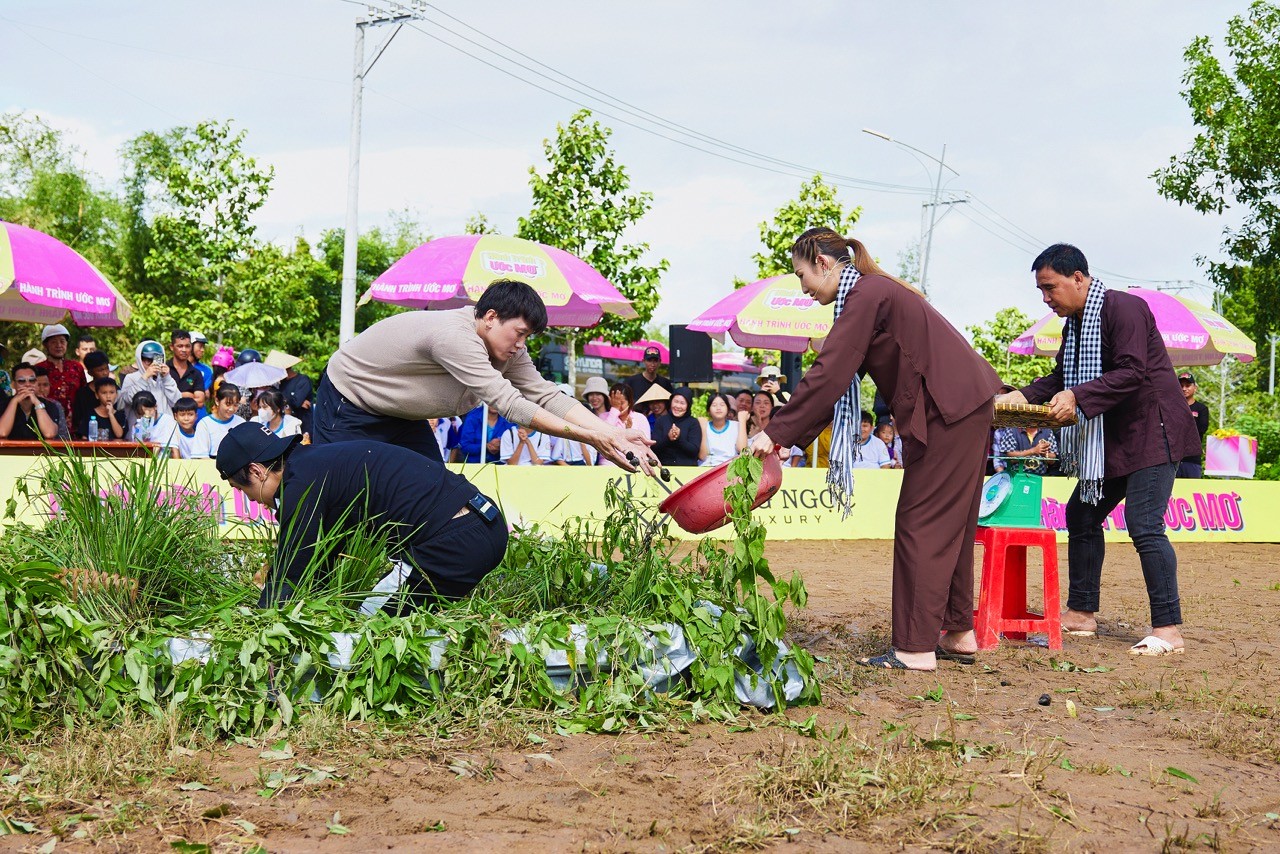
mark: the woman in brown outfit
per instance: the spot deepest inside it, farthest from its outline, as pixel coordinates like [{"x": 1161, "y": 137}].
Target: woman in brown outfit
[{"x": 940, "y": 392}]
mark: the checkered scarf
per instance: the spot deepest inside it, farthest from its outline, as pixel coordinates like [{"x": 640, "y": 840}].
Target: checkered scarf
[
  {"x": 1083, "y": 453},
  {"x": 846, "y": 426}
]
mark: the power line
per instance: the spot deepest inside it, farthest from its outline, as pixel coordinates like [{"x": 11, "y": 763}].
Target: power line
[
  {"x": 587, "y": 90},
  {"x": 649, "y": 130},
  {"x": 89, "y": 70}
]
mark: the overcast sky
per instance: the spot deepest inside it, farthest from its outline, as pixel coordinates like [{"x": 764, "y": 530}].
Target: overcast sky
[{"x": 1054, "y": 116}]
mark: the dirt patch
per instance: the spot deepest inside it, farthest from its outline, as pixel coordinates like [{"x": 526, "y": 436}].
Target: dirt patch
[{"x": 1160, "y": 754}]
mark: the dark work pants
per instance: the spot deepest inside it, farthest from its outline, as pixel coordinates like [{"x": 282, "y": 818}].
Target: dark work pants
[
  {"x": 1191, "y": 469},
  {"x": 336, "y": 419},
  {"x": 934, "y": 528},
  {"x": 455, "y": 559},
  {"x": 1145, "y": 493}
]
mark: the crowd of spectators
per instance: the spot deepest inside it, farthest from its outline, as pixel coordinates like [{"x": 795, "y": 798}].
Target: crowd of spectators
[
  {"x": 177, "y": 400},
  {"x": 179, "y": 404}
]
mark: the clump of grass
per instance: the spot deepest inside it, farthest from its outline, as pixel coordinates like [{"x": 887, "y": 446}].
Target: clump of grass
[
  {"x": 133, "y": 538},
  {"x": 837, "y": 782}
]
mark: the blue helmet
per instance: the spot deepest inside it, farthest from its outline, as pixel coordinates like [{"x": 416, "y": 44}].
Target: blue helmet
[{"x": 248, "y": 355}]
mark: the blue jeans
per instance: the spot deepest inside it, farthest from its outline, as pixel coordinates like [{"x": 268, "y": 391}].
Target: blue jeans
[
  {"x": 1146, "y": 496},
  {"x": 336, "y": 419}
]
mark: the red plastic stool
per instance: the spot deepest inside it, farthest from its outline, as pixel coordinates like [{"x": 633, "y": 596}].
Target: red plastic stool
[{"x": 1002, "y": 593}]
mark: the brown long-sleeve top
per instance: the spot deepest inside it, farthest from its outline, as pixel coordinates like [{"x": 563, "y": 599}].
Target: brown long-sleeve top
[
  {"x": 907, "y": 347},
  {"x": 1138, "y": 391}
]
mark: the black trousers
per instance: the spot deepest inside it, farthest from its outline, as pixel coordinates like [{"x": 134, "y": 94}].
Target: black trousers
[
  {"x": 1145, "y": 493},
  {"x": 453, "y": 561},
  {"x": 336, "y": 419}
]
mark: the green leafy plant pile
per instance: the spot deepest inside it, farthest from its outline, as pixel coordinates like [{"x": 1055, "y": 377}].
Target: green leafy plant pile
[{"x": 600, "y": 594}]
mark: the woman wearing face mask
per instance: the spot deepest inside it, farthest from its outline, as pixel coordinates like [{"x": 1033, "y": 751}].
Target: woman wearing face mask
[
  {"x": 271, "y": 413},
  {"x": 677, "y": 434},
  {"x": 940, "y": 392}
]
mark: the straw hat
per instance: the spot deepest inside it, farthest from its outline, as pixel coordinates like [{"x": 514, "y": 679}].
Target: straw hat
[
  {"x": 654, "y": 394},
  {"x": 280, "y": 359}
]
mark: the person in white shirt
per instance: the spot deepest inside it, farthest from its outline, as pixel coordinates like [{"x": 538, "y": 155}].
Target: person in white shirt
[
  {"x": 211, "y": 429},
  {"x": 177, "y": 431},
  {"x": 271, "y": 413},
  {"x": 886, "y": 433},
  {"x": 569, "y": 452},
  {"x": 446, "y": 430},
  {"x": 523, "y": 446},
  {"x": 722, "y": 437},
  {"x": 152, "y": 376},
  {"x": 872, "y": 453}
]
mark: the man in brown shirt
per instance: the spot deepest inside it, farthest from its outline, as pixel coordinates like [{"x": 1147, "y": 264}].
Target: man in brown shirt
[
  {"x": 940, "y": 391},
  {"x": 1147, "y": 429}
]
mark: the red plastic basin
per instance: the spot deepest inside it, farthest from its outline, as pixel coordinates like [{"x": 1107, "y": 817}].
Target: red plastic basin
[{"x": 699, "y": 505}]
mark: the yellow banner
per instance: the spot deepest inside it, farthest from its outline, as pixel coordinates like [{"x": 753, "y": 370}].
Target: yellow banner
[{"x": 1199, "y": 510}]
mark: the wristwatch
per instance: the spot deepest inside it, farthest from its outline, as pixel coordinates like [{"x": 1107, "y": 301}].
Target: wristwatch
[{"x": 40, "y": 406}]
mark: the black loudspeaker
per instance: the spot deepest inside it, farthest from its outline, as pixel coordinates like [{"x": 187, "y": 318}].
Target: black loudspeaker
[
  {"x": 690, "y": 356},
  {"x": 790, "y": 368}
]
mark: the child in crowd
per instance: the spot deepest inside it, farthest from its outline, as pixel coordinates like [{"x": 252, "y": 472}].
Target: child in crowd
[
  {"x": 524, "y": 446},
  {"x": 142, "y": 412},
  {"x": 271, "y": 413},
  {"x": 110, "y": 423},
  {"x": 178, "y": 431},
  {"x": 211, "y": 429},
  {"x": 887, "y": 433},
  {"x": 570, "y": 452}
]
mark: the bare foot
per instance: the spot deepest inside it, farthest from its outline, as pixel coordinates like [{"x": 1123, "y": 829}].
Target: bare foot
[
  {"x": 1170, "y": 634},
  {"x": 965, "y": 643},
  {"x": 1079, "y": 621},
  {"x": 918, "y": 660}
]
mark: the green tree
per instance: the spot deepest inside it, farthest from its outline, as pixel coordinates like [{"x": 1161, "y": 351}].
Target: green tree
[
  {"x": 268, "y": 300},
  {"x": 478, "y": 223},
  {"x": 583, "y": 204},
  {"x": 376, "y": 250},
  {"x": 192, "y": 192},
  {"x": 1234, "y": 160},
  {"x": 815, "y": 206},
  {"x": 43, "y": 187},
  {"x": 992, "y": 340}
]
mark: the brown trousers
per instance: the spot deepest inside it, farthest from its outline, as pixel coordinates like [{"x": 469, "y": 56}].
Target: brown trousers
[{"x": 934, "y": 528}]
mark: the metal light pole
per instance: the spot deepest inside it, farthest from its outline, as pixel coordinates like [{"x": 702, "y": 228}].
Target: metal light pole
[
  {"x": 351, "y": 235},
  {"x": 933, "y": 204},
  {"x": 1271, "y": 387}
]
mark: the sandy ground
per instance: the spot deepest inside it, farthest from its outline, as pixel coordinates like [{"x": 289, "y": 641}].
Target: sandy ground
[{"x": 1162, "y": 754}]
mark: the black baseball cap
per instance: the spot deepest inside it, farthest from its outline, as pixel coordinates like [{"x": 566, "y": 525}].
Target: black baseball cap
[
  {"x": 251, "y": 442},
  {"x": 652, "y": 353},
  {"x": 1187, "y": 377}
]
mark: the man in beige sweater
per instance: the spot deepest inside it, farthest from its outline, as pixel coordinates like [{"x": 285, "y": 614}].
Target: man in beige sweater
[{"x": 387, "y": 381}]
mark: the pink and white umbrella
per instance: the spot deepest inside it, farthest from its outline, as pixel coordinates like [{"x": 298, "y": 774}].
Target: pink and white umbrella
[
  {"x": 41, "y": 279},
  {"x": 1193, "y": 333},
  {"x": 450, "y": 272},
  {"x": 772, "y": 314}
]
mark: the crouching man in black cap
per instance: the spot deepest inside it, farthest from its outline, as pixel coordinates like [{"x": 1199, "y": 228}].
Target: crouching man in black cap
[{"x": 444, "y": 536}]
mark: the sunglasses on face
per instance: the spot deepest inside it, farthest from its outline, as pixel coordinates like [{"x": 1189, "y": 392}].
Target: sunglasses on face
[{"x": 25, "y": 380}]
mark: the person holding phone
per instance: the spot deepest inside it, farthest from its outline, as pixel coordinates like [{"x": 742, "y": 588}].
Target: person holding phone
[{"x": 152, "y": 375}]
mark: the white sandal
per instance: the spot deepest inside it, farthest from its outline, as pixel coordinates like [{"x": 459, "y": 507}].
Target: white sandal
[{"x": 1152, "y": 645}]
